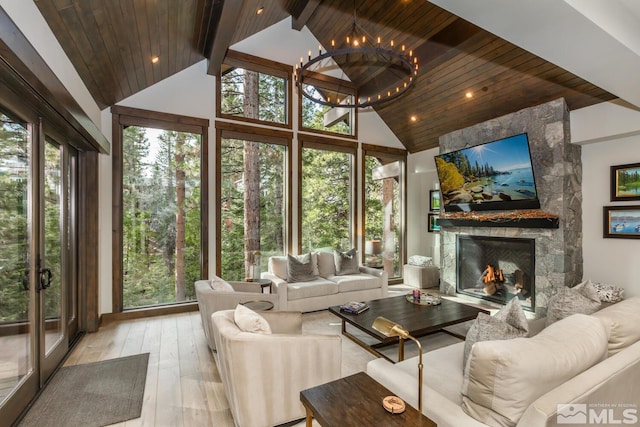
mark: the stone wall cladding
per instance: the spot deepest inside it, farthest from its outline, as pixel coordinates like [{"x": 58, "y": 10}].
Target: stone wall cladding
[{"x": 557, "y": 166}]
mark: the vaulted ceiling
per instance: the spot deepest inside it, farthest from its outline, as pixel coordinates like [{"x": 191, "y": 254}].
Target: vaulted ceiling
[{"x": 111, "y": 43}]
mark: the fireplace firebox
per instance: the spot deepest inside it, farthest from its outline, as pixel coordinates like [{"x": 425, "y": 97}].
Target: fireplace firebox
[{"x": 496, "y": 268}]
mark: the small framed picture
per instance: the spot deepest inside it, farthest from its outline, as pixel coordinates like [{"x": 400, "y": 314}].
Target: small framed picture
[
  {"x": 625, "y": 182},
  {"x": 622, "y": 222},
  {"x": 432, "y": 220},
  {"x": 434, "y": 200}
]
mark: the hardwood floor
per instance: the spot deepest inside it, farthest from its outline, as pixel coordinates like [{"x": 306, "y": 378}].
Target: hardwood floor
[{"x": 183, "y": 386}]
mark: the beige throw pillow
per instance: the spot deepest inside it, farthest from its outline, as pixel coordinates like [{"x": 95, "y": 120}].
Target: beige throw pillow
[
  {"x": 220, "y": 285},
  {"x": 250, "y": 321},
  {"x": 505, "y": 377},
  {"x": 509, "y": 322},
  {"x": 582, "y": 298},
  {"x": 346, "y": 262}
]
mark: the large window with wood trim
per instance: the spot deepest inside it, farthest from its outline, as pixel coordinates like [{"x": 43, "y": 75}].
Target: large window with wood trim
[
  {"x": 253, "y": 180},
  {"x": 327, "y": 188},
  {"x": 160, "y": 207},
  {"x": 383, "y": 177},
  {"x": 255, "y": 90},
  {"x": 317, "y": 117}
]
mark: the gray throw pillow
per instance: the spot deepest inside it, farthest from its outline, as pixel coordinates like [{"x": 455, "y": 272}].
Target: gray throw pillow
[
  {"x": 509, "y": 322},
  {"x": 299, "y": 268},
  {"x": 346, "y": 262},
  {"x": 582, "y": 298}
]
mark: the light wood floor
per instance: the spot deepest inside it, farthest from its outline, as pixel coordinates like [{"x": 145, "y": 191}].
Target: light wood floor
[{"x": 183, "y": 387}]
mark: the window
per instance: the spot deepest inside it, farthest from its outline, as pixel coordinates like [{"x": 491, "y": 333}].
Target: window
[
  {"x": 327, "y": 188},
  {"x": 159, "y": 208},
  {"x": 323, "y": 118},
  {"x": 383, "y": 209},
  {"x": 255, "y": 90},
  {"x": 253, "y": 181}
]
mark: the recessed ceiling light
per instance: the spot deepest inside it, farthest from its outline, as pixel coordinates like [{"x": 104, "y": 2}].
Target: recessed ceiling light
[
  {"x": 259, "y": 11},
  {"x": 155, "y": 59},
  {"x": 468, "y": 94},
  {"x": 413, "y": 119}
]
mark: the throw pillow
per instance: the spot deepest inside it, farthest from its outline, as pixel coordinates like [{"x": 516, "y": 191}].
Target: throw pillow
[
  {"x": 621, "y": 320},
  {"x": 250, "y": 321},
  {"x": 505, "y": 377},
  {"x": 582, "y": 298},
  {"x": 346, "y": 262},
  {"x": 300, "y": 268},
  {"x": 608, "y": 293},
  {"x": 220, "y": 285},
  {"x": 419, "y": 260},
  {"x": 509, "y": 322}
]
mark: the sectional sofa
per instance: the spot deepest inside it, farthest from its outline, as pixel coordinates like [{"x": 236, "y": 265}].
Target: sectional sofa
[
  {"x": 327, "y": 288},
  {"x": 581, "y": 366}
]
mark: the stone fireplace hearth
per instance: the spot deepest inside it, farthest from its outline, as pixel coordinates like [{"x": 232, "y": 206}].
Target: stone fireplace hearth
[{"x": 558, "y": 173}]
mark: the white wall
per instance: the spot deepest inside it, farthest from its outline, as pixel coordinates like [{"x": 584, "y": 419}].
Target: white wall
[{"x": 612, "y": 261}]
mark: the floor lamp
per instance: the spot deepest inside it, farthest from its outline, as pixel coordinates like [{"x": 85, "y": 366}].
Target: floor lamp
[{"x": 392, "y": 329}]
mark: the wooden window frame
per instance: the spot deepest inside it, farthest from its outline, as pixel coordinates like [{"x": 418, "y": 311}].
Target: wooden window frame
[
  {"x": 262, "y": 135},
  {"x": 387, "y": 153},
  {"x": 235, "y": 59},
  {"x": 329, "y": 144},
  {"x": 334, "y": 84},
  {"x": 127, "y": 116}
]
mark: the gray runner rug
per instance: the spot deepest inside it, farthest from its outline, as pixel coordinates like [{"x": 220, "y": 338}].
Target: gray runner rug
[{"x": 94, "y": 394}]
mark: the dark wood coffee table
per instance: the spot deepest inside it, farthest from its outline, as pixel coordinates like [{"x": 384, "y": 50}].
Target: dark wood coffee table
[
  {"x": 356, "y": 400},
  {"x": 418, "y": 319}
]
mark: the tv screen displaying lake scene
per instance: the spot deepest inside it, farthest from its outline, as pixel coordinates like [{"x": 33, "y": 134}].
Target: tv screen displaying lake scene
[{"x": 497, "y": 175}]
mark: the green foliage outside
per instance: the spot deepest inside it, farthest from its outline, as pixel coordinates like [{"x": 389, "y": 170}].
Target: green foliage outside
[
  {"x": 326, "y": 200},
  {"x": 272, "y": 97},
  {"x": 313, "y": 115},
  {"x": 272, "y": 207},
  {"x": 149, "y": 192},
  {"x": 14, "y": 236}
]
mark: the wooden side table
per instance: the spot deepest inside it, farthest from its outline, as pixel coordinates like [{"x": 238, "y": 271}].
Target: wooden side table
[
  {"x": 265, "y": 283},
  {"x": 356, "y": 400}
]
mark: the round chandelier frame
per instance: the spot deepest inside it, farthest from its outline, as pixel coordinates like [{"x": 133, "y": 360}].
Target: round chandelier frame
[{"x": 407, "y": 62}]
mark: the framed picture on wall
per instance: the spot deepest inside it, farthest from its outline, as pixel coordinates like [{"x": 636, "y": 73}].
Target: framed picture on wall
[
  {"x": 432, "y": 220},
  {"x": 625, "y": 182},
  {"x": 622, "y": 222},
  {"x": 434, "y": 200}
]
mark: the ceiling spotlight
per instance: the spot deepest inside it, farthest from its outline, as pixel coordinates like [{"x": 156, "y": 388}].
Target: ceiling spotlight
[
  {"x": 413, "y": 119},
  {"x": 259, "y": 11},
  {"x": 155, "y": 59},
  {"x": 469, "y": 94}
]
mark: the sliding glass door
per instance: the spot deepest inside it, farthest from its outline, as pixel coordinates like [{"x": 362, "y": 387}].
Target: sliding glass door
[{"x": 37, "y": 203}]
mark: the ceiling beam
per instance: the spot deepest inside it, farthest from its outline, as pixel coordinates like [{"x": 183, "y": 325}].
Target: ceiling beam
[
  {"x": 223, "y": 34},
  {"x": 303, "y": 11}
]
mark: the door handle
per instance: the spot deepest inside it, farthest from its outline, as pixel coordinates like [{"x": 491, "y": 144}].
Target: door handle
[{"x": 45, "y": 278}]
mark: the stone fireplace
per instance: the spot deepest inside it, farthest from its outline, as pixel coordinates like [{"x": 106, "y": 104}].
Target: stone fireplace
[
  {"x": 557, "y": 258},
  {"x": 496, "y": 268}
]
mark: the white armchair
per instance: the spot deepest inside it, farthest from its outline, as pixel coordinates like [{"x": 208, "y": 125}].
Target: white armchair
[
  {"x": 217, "y": 294},
  {"x": 263, "y": 375}
]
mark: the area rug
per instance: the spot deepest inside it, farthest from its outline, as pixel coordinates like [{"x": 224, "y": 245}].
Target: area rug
[{"x": 94, "y": 394}]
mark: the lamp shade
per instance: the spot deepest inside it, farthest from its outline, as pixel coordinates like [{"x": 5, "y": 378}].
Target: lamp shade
[{"x": 389, "y": 328}]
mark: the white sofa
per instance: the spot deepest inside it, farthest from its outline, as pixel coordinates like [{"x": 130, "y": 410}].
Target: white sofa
[
  {"x": 263, "y": 374},
  {"x": 327, "y": 289},
  {"x": 606, "y": 342}
]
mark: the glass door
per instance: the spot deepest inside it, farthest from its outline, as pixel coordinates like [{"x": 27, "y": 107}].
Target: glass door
[
  {"x": 18, "y": 378},
  {"x": 51, "y": 286}
]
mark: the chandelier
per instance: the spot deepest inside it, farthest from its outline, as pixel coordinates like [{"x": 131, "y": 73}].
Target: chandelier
[{"x": 393, "y": 68}]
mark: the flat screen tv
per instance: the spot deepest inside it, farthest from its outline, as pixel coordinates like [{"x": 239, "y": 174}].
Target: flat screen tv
[{"x": 497, "y": 175}]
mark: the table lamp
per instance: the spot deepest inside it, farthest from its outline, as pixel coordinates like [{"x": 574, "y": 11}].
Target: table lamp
[{"x": 392, "y": 329}]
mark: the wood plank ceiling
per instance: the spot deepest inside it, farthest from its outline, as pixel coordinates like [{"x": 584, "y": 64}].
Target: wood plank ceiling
[{"x": 111, "y": 43}]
